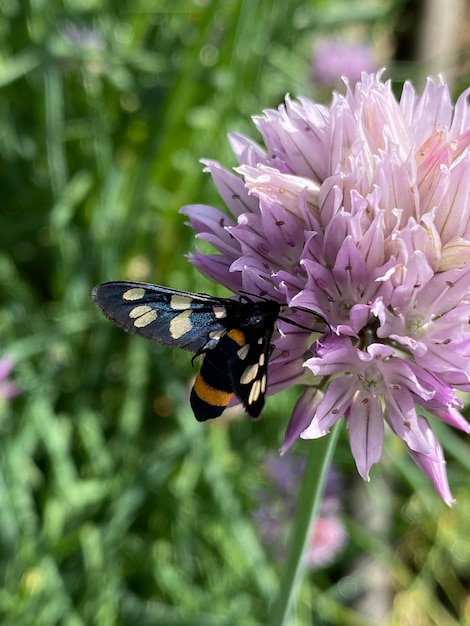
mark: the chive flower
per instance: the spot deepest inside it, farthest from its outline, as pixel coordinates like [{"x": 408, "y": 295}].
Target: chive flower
[{"x": 356, "y": 216}]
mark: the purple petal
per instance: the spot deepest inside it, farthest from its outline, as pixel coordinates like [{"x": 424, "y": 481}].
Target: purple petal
[
  {"x": 433, "y": 464},
  {"x": 232, "y": 189},
  {"x": 217, "y": 267},
  {"x": 302, "y": 416},
  {"x": 211, "y": 225},
  {"x": 333, "y": 406},
  {"x": 366, "y": 431}
]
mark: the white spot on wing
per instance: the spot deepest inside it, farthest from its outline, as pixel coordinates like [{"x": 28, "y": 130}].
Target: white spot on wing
[
  {"x": 219, "y": 312},
  {"x": 135, "y": 293},
  {"x": 145, "y": 319},
  {"x": 140, "y": 310},
  {"x": 263, "y": 382},
  {"x": 249, "y": 374},
  {"x": 180, "y": 303},
  {"x": 255, "y": 392},
  {"x": 243, "y": 352},
  {"x": 181, "y": 324},
  {"x": 143, "y": 315}
]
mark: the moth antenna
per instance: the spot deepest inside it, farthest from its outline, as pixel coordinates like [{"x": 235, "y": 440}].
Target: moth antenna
[{"x": 292, "y": 323}]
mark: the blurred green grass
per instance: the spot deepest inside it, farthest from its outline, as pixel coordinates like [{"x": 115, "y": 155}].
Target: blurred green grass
[{"x": 116, "y": 507}]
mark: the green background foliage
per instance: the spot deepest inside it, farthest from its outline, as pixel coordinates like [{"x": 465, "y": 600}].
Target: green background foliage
[{"x": 116, "y": 507}]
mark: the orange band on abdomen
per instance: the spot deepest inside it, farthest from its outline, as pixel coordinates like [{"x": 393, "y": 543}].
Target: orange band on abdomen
[{"x": 208, "y": 394}]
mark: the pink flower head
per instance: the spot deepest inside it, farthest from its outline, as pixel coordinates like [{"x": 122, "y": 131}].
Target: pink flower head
[
  {"x": 357, "y": 217},
  {"x": 8, "y": 389}
]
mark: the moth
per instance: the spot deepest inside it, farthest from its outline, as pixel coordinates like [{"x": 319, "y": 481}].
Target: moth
[{"x": 234, "y": 337}]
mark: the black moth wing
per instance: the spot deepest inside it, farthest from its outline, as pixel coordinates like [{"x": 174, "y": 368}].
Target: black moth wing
[{"x": 170, "y": 317}]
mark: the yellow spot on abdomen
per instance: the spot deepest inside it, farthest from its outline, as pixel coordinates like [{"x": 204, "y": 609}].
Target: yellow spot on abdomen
[
  {"x": 208, "y": 394},
  {"x": 237, "y": 336}
]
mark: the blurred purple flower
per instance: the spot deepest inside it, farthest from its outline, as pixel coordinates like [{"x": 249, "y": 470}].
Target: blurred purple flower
[
  {"x": 333, "y": 60},
  {"x": 357, "y": 216},
  {"x": 8, "y": 389},
  {"x": 82, "y": 36},
  {"x": 277, "y": 506}
]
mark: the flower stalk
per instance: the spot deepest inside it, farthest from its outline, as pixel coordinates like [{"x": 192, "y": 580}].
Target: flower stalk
[{"x": 310, "y": 494}]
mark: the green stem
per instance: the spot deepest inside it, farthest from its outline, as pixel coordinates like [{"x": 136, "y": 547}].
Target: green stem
[{"x": 310, "y": 494}]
